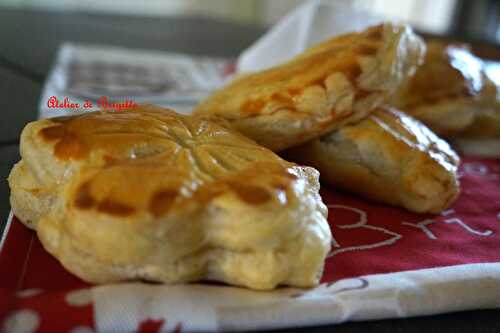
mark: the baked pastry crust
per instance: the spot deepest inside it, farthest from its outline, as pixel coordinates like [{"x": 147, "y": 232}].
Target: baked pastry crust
[
  {"x": 451, "y": 93},
  {"x": 388, "y": 157},
  {"x": 150, "y": 194},
  {"x": 486, "y": 121},
  {"x": 334, "y": 83}
]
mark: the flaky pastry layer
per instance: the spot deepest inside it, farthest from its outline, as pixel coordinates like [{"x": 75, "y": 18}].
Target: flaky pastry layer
[{"x": 332, "y": 84}]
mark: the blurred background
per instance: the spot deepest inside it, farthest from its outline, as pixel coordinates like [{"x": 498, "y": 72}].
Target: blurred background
[{"x": 477, "y": 20}]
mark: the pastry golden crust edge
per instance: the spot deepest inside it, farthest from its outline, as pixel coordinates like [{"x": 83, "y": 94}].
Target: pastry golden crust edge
[
  {"x": 388, "y": 157},
  {"x": 101, "y": 247},
  {"x": 279, "y": 115}
]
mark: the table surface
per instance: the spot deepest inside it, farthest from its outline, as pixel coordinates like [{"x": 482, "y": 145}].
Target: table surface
[{"x": 28, "y": 43}]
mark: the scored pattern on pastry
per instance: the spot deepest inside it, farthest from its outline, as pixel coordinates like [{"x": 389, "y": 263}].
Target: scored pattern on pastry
[
  {"x": 336, "y": 82},
  {"x": 151, "y": 194}
]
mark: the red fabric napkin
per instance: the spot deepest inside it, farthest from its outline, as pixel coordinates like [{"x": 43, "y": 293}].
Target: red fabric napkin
[{"x": 370, "y": 238}]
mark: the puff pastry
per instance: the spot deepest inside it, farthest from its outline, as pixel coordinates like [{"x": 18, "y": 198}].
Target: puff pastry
[
  {"x": 334, "y": 83},
  {"x": 451, "y": 93},
  {"x": 150, "y": 194},
  {"x": 388, "y": 157}
]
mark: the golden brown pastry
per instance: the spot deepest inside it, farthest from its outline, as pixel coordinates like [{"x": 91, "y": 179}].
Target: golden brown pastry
[
  {"x": 150, "y": 194},
  {"x": 451, "y": 93},
  {"x": 486, "y": 121},
  {"x": 388, "y": 157},
  {"x": 486, "y": 124},
  {"x": 334, "y": 83}
]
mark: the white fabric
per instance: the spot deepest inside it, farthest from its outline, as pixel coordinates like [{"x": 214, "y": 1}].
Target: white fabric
[
  {"x": 215, "y": 308},
  {"x": 308, "y": 24}
]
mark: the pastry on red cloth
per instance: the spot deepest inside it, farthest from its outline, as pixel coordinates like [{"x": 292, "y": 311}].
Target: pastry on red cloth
[
  {"x": 388, "y": 157},
  {"x": 148, "y": 194}
]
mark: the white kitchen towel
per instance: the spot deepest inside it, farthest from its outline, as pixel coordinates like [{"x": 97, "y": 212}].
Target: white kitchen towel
[{"x": 216, "y": 308}]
